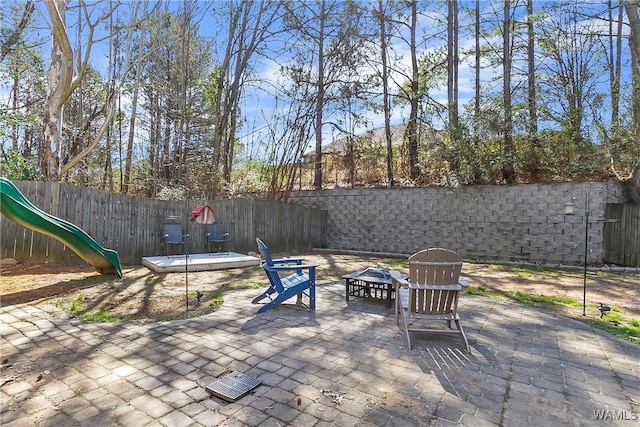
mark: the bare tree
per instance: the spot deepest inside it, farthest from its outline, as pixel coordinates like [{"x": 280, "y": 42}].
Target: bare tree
[
  {"x": 21, "y": 72},
  {"x": 327, "y": 49},
  {"x": 250, "y": 25},
  {"x": 63, "y": 79},
  {"x": 289, "y": 135},
  {"x": 133, "y": 115},
  {"x": 9, "y": 42},
  {"x": 571, "y": 71}
]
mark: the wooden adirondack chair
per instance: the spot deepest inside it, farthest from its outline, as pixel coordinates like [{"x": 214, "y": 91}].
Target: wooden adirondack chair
[
  {"x": 283, "y": 288},
  {"x": 430, "y": 294}
]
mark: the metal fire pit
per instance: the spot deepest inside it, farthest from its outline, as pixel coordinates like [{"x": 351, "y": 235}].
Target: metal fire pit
[{"x": 372, "y": 282}]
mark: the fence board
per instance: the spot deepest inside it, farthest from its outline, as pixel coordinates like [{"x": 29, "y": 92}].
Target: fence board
[
  {"x": 42, "y": 245},
  {"x": 621, "y": 239},
  {"x": 75, "y": 207},
  {"x": 632, "y": 246}
]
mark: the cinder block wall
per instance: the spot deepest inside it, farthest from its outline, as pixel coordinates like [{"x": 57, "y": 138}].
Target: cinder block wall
[{"x": 523, "y": 223}]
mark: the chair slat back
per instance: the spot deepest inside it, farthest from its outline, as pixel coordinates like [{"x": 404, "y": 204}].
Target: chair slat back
[
  {"x": 264, "y": 252},
  {"x": 433, "y": 301},
  {"x": 432, "y": 272},
  {"x": 172, "y": 233},
  {"x": 215, "y": 232},
  {"x": 273, "y": 276},
  {"x": 435, "y": 266}
]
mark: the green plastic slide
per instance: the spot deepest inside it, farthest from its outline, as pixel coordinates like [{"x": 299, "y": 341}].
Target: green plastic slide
[{"x": 15, "y": 206}]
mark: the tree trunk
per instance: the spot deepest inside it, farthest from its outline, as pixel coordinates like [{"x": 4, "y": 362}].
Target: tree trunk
[
  {"x": 385, "y": 93},
  {"x": 634, "y": 43},
  {"x": 107, "y": 177},
  {"x": 14, "y": 105},
  {"x": 154, "y": 144},
  {"x": 508, "y": 174},
  {"x": 477, "y": 175},
  {"x": 412, "y": 126},
  {"x": 126, "y": 180},
  {"x": 452, "y": 63},
  {"x": 317, "y": 176},
  {"x": 532, "y": 128},
  {"x": 615, "y": 60},
  {"x": 452, "y": 83},
  {"x": 632, "y": 185},
  {"x": 59, "y": 80}
]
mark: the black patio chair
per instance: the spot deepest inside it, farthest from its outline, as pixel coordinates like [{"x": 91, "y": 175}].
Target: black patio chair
[
  {"x": 172, "y": 235},
  {"x": 215, "y": 234}
]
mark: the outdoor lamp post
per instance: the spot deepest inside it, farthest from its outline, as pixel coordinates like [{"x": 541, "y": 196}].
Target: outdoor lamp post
[{"x": 569, "y": 209}]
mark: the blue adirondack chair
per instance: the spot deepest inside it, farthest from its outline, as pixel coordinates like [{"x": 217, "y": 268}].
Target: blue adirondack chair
[{"x": 283, "y": 288}]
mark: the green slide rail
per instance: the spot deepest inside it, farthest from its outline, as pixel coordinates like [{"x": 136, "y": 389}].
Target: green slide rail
[{"x": 16, "y": 207}]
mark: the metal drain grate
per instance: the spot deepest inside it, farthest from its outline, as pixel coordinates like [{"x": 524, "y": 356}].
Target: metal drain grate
[{"x": 233, "y": 386}]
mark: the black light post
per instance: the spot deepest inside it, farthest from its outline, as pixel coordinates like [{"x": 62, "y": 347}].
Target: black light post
[
  {"x": 186, "y": 265},
  {"x": 569, "y": 209},
  {"x": 200, "y": 215}
]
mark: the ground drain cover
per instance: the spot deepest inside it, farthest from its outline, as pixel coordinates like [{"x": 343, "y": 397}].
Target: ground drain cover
[{"x": 233, "y": 386}]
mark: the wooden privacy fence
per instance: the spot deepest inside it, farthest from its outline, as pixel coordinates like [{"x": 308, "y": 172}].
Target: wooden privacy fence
[
  {"x": 621, "y": 238},
  {"x": 132, "y": 225}
]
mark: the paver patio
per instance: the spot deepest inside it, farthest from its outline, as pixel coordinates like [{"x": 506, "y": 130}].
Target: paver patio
[{"x": 345, "y": 365}]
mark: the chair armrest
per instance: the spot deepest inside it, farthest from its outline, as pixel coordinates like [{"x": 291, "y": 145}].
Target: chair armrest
[
  {"x": 290, "y": 267},
  {"x": 453, "y": 287},
  {"x": 288, "y": 261},
  {"x": 395, "y": 273},
  {"x": 398, "y": 281}
]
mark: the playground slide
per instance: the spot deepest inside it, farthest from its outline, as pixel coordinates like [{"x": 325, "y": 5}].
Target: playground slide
[{"x": 16, "y": 207}]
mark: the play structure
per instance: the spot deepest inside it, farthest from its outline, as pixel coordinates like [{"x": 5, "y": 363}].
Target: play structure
[{"x": 17, "y": 208}]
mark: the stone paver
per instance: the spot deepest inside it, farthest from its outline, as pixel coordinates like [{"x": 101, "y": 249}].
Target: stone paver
[{"x": 344, "y": 364}]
